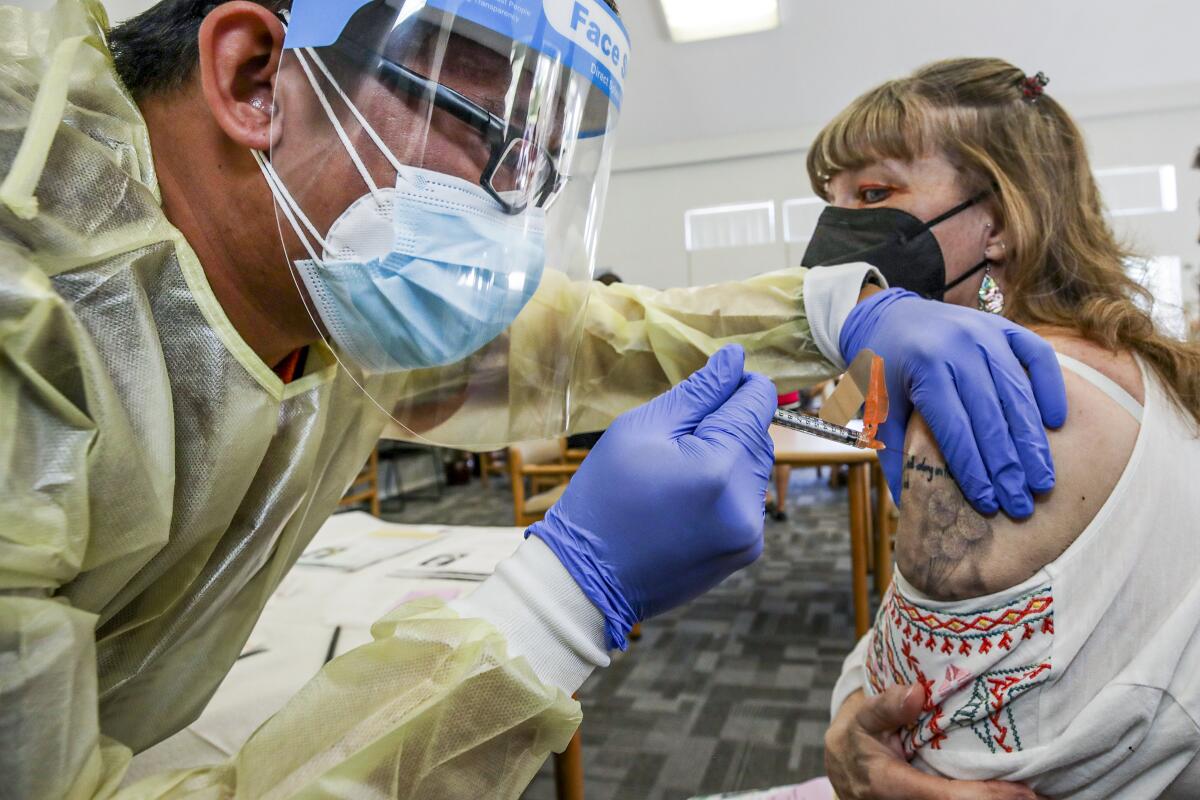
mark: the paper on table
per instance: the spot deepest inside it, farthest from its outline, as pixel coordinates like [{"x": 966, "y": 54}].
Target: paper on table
[
  {"x": 352, "y": 550},
  {"x": 253, "y": 646},
  {"x": 445, "y": 595},
  {"x": 362, "y": 600},
  {"x": 467, "y": 556},
  {"x": 464, "y": 554}
]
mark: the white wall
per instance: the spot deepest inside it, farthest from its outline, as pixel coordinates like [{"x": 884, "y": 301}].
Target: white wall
[
  {"x": 643, "y": 236},
  {"x": 652, "y": 187},
  {"x": 119, "y": 10},
  {"x": 643, "y": 240}
]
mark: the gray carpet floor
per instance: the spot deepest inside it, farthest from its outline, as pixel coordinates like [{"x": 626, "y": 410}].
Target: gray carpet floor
[{"x": 730, "y": 692}]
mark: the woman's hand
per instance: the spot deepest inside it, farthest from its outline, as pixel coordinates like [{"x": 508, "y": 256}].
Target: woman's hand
[
  {"x": 985, "y": 385},
  {"x": 865, "y": 760}
]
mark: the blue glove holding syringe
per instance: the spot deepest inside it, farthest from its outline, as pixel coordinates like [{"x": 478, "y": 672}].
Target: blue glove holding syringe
[{"x": 671, "y": 500}]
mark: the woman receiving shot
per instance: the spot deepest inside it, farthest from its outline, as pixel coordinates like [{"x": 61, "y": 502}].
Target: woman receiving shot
[{"x": 1061, "y": 651}]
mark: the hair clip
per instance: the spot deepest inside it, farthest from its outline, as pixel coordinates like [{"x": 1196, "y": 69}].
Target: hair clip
[{"x": 1034, "y": 86}]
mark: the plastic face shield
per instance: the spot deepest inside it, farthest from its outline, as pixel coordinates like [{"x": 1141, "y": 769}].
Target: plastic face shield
[{"x": 439, "y": 166}]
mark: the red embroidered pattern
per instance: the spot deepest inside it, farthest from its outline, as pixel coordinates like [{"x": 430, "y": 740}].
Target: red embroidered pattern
[
  {"x": 1005, "y": 618},
  {"x": 914, "y": 645}
]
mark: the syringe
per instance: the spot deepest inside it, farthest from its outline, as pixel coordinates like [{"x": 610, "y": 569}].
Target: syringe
[{"x": 815, "y": 426}]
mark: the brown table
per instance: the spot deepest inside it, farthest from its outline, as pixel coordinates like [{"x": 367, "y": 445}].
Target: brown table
[{"x": 797, "y": 449}]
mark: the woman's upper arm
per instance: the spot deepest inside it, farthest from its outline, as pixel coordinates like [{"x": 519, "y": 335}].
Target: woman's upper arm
[{"x": 948, "y": 550}]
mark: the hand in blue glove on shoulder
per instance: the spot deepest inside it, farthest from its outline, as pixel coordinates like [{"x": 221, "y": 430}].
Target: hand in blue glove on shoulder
[
  {"x": 987, "y": 387},
  {"x": 670, "y": 502}
]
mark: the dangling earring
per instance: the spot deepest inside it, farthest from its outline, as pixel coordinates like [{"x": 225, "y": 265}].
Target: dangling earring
[{"x": 991, "y": 299}]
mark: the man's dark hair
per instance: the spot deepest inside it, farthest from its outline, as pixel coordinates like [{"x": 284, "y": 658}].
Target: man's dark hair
[{"x": 158, "y": 50}]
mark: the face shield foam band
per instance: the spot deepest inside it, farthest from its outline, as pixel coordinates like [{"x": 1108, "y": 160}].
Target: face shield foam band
[{"x": 585, "y": 35}]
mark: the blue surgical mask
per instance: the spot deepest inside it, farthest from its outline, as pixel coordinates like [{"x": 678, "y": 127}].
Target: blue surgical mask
[
  {"x": 418, "y": 276},
  {"x": 456, "y": 273}
]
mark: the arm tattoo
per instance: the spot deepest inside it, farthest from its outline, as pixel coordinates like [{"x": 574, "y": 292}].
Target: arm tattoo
[{"x": 942, "y": 531}]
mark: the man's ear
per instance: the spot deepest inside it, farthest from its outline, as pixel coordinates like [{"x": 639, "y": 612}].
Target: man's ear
[{"x": 240, "y": 47}]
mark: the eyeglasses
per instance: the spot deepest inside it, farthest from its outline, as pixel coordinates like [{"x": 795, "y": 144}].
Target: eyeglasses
[{"x": 519, "y": 173}]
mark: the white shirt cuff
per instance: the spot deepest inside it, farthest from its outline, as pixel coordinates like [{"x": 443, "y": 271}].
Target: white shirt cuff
[
  {"x": 830, "y": 293},
  {"x": 546, "y": 618},
  {"x": 853, "y": 677}
]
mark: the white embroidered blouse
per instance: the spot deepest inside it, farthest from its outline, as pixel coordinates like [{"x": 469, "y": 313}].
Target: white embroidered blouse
[{"x": 1083, "y": 681}]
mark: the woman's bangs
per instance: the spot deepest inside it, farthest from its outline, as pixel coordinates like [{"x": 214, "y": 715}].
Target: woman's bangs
[{"x": 879, "y": 125}]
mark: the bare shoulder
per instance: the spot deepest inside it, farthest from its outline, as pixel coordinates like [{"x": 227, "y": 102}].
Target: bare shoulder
[
  {"x": 1118, "y": 366},
  {"x": 949, "y": 551}
]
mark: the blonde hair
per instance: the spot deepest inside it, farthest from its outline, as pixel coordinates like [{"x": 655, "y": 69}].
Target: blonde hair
[{"x": 1064, "y": 266}]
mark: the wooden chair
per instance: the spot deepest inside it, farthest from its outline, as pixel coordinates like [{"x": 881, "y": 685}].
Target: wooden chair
[
  {"x": 491, "y": 464},
  {"x": 366, "y": 486},
  {"x": 546, "y": 466},
  {"x": 496, "y": 463},
  {"x": 574, "y": 455}
]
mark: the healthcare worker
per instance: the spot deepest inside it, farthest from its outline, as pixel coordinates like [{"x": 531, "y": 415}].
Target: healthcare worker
[{"x": 287, "y": 224}]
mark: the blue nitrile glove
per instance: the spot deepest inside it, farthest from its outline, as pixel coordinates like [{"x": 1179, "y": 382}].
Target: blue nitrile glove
[
  {"x": 965, "y": 371},
  {"x": 670, "y": 502}
]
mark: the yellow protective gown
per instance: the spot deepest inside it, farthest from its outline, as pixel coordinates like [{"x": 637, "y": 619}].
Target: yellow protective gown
[{"x": 157, "y": 480}]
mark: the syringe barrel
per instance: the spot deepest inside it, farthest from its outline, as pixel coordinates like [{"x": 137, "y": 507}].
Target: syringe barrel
[{"x": 816, "y": 426}]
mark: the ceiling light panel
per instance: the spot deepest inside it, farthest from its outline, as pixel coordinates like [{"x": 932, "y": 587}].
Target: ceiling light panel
[{"x": 695, "y": 20}]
